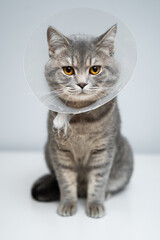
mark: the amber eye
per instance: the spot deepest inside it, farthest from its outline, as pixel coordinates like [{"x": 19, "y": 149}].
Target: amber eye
[
  {"x": 68, "y": 70},
  {"x": 94, "y": 70}
]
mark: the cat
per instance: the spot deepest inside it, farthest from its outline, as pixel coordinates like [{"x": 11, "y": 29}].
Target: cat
[{"x": 94, "y": 159}]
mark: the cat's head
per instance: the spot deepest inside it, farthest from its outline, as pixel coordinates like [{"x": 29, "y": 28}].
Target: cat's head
[{"x": 81, "y": 68}]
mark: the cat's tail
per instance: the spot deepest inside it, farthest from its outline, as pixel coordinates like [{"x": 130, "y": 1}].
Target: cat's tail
[{"x": 46, "y": 189}]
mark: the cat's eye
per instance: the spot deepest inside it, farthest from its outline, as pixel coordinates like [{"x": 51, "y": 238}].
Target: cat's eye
[
  {"x": 68, "y": 70},
  {"x": 95, "y": 70}
]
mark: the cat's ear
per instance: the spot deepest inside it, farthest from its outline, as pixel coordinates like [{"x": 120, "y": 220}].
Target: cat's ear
[
  {"x": 56, "y": 40},
  {"x": 106, "y": 40}
]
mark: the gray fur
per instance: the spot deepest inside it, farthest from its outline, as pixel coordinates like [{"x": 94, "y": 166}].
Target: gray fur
[{"x": 94, "y": 159}]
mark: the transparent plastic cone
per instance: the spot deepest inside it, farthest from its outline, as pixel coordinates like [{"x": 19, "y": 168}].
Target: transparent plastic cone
[{"x": 74, "y": 21}]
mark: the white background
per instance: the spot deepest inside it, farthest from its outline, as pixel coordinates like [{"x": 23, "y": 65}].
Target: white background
[{"x": 23, "y": 118}]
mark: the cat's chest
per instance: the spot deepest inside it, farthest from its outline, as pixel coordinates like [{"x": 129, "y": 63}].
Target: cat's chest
[
  {"x": 80, "y": 146},
  {"x": 81, "y": 140}
]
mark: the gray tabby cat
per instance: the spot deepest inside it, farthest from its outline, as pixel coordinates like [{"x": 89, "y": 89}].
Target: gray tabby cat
[{"x": 94, "y": 159}]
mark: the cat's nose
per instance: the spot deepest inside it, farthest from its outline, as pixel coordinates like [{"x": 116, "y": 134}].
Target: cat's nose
[{"x": 82, "y": 85}]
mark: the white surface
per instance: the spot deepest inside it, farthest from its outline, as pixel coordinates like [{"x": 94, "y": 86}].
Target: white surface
[
  {"x": 23, "y": 118},
  {"x": 133, "y": 214}
]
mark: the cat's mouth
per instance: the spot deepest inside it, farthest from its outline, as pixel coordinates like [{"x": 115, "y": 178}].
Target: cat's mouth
[
  {"x": 79, "y": 100},
  {"x": 80, "y": 97},
  {"x": 82, "y": 93}
]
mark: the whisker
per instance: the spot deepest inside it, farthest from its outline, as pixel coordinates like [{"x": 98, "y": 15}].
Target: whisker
[
  {"x": 50, "y": 97},
  {"x": 67, "y": 100}
]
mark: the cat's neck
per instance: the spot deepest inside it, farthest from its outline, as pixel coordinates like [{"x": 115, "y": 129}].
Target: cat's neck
[
  {"x": 80, "y": 104},
  {"x": 95, "y": 114}
]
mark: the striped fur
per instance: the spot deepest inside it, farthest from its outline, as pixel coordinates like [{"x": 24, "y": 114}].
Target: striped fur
[{"x": 93, "y": 159}]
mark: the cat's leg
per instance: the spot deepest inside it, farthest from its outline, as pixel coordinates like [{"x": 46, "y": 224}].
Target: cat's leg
[
  {"x": 67, "y": 178},
  {"x": 98, "y": 174},
  {"x": 122, "y": 167}
]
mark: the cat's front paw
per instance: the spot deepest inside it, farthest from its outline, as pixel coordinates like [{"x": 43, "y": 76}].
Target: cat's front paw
[
  {"x": 95, "y": 210},
  {"x": 67, "y": 209}
]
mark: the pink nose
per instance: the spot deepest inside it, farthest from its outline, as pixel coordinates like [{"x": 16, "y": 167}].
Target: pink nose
[{"x": 82, "y": 85}]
